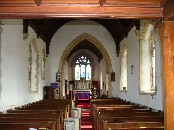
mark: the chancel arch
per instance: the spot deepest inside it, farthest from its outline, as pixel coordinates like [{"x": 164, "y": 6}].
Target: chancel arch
[{"x": 74, "y": 43}]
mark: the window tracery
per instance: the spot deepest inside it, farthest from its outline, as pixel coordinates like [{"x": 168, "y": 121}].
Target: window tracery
[{"x": 83, "y": 68}]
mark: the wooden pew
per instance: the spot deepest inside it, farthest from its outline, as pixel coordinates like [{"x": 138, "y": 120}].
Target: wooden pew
[
  {"x": 114, "y": 108},
  {"x": 143, "y": 128},
  {"x": 46, "y": 114},
  {"x": 27, "y": 125},
  {"x": 111, "y": 105},
  {"x": 106, "y": 102},
  {"x": 28, "y": 117},
  {"x": 59, "y": 102},
  {"x": 123, "y": 113},
  {"x": 130, "y": 119},
  {"x": 97, "y": 118},
  {"x": 132, "y": 125},
  {"x": 107, "y": 113},
  {"x": 45, "y": 107}
]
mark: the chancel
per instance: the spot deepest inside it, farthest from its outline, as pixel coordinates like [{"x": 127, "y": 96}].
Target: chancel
[{"x": 112, "y": 58}]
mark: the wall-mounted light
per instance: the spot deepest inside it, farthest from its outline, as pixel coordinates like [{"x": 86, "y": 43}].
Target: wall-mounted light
[
  {"x": 132, "y": 68},
  {"x": 57, "y": 77}
]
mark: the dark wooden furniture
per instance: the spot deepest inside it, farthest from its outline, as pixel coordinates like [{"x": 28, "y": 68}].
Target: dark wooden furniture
[
  {"x": 48, "y": 92},
  {"x": 44, "y": 114},
  {"x": 118, "y": 114}
]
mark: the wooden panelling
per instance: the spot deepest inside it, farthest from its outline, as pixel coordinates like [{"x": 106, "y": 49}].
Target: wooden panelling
[
  {"x": 80, "y": 12},
  {"x": 167, "y": 40},
  {"x": 168, "y": 10},
  {"x": 137, "y": 3},
  {"x": 85, "y": 9}
]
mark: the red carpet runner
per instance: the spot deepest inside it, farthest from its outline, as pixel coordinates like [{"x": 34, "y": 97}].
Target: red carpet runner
[{"x": 86, "y": 122}]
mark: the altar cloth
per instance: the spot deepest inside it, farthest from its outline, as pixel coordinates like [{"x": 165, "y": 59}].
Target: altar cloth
[{"x": 83, "y": 95}]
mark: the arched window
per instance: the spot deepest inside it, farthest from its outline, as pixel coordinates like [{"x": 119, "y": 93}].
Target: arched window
[
  {"x": 147, "y": 60},
  {"x": 33, "y": 68},
  {"x": 123, "y": 74},
  {"x": 83, "y": 68},
  {"x": 43, "y": 64}
]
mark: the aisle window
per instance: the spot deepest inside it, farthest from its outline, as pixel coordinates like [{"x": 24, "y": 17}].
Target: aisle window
[
  {"x": 147, "y": 60},
  {"x": 123, "y": 74}
]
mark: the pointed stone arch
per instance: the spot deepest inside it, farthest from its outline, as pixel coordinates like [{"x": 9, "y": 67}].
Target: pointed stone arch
[{"x": 95, "y": 42}]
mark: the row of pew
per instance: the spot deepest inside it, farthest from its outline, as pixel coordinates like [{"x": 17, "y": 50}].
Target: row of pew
[
  {"x": 42, "y": 115},
  {"x": 117, "y": 114}
]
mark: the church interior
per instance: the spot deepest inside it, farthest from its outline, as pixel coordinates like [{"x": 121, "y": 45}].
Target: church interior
[{"x": 87, "y": 62}]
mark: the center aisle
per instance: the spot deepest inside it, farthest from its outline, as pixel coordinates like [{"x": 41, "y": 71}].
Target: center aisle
[{"x": 86, "y": 121}]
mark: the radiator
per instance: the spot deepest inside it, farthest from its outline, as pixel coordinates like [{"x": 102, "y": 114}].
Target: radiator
[
  {"x": 76, "y": 112},
  {"x": 72, "y": 124}
]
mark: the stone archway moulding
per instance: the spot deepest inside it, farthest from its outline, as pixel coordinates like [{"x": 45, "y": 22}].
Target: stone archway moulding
[{"x": 94, "y": 41}]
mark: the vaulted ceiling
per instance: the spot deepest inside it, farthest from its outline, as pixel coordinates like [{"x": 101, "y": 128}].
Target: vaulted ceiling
[{"x": 117, "y": 16}]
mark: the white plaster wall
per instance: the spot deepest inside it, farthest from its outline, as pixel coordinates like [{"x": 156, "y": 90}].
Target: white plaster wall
[
  {"x": 14, "y": 53},
  {"x": 66, "y": 34},
  {"x": 156, "y": 102},
  {"x": 40, "y": 44}
]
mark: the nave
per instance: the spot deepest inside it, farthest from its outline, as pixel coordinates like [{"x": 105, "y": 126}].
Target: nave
[{"x": 98, "y": 114}]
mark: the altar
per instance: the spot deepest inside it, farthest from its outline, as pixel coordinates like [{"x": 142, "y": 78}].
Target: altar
[
  {"x": 84, "y": 89},
  {"x": 82, "y": 94}
]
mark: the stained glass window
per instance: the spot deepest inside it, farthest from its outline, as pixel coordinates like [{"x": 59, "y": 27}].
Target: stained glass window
[
  {"x": 83, "y": 68},
  {"x": 77, "y": 72},
  {"x": 88, "y": 72}
]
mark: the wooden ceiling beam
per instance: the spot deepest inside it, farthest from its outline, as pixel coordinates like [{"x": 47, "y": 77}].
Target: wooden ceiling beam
[
  {"x": 80, "y": 12},
  {"x": 38, "y": 2},
  {"x": 86, "y": 2},
  {"x": 25, "y": 28},
  {"x": 141, "y": 9},
  {"x": 101, "y": 2},
  {"x": 168, "y": 10},
  {"x": 137, "y": 3},
  {"x": 127, "y": 30}
]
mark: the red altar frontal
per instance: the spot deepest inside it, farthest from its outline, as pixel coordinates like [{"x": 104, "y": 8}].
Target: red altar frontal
[{"x": 82, "y": 94}]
